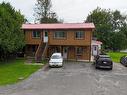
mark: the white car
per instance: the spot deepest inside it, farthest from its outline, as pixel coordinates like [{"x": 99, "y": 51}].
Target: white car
[{"x": 56, "y": 60}]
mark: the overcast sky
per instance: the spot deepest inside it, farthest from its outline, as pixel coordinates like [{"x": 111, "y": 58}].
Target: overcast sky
[{"x": 70, "y": 10}]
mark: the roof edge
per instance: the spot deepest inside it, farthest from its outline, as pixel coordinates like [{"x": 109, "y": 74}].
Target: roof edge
[{"x": 59, "y": 26}]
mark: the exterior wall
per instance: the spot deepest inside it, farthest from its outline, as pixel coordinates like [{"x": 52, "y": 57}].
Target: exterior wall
[
  {"x": 87, "y": 53},
  {"x": 71, "y": 55},
  {"x": 30, "y": 40},
  {"x": 71, "y": 40}
]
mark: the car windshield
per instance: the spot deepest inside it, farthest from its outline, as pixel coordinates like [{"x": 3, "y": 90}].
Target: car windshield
[{"x": 55, "y": 57}]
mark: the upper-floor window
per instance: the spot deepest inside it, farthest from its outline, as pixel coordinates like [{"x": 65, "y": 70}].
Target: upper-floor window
[
  {"x": 36, "y": 34},
  {"x": 59, "y": 34},
  {"x": 79, "y": 34}
]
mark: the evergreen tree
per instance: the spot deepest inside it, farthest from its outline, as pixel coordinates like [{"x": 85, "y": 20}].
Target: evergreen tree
[{"x": 11, "y": 35}]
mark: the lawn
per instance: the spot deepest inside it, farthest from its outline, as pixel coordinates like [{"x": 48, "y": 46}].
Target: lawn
[
  {"x": 16, "y": 70},
  {"x": 116, "y": 56}
]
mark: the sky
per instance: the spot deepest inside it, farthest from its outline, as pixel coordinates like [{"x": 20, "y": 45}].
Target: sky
[{"x": 71, "y": 11}]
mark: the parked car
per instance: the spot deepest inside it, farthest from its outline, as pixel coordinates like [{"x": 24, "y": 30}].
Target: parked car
[
  {"x": 123, "y": 60},
  {"x": 56, "y": 60},
  {"x": 103, "y": 61}
]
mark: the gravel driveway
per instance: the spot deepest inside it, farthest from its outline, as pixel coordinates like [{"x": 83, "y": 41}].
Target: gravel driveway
[{"x": 74, "y": 78}]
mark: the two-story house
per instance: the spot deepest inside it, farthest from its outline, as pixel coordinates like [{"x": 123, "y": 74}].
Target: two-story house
[{"x": 73, "y": 40}]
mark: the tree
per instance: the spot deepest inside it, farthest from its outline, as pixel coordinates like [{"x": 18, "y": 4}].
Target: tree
[
  {"x": 11, "y": 35},
  {"x": 43, "y": 12},
  {"x": 118, "y": 41},
  {"x": 108, "y": 24}
]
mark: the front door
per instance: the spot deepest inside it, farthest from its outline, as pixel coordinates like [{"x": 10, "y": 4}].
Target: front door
[
  {"x": 95, "y": 50},
  {"x": 65, "y": 50},
  {"x": 45, "y": 36}
]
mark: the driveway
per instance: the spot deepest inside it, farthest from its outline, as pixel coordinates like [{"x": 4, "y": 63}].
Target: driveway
[{"x": 74, "y": 78}]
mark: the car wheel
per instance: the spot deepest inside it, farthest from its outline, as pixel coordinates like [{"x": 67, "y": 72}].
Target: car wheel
[
  {"x": 96, "y": 67},
  {"x": 111, "y": 68},
  {"x": 126, "y": 65}
]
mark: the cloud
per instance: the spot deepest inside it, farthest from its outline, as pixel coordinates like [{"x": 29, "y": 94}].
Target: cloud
[
  {"x": 70, "y": 10},
  {"x": 77, "y": 10},
  {"x": 25, "y": 6}
]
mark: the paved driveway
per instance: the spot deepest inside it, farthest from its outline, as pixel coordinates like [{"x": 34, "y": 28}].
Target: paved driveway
[{"x": 73, "y": 79}]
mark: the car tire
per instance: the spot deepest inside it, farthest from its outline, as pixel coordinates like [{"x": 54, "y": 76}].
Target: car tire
[
  {"x": 96, "y": 67},
  {"x": 111, "y": 68}
]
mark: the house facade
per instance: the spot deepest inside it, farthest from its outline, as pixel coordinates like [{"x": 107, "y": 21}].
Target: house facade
[{"x": 72, "y": 40}]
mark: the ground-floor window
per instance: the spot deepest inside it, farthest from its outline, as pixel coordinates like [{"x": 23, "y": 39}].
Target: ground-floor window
[{"x": 79, "y": 50}]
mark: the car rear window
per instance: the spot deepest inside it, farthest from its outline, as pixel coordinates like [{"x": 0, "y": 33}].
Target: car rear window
[
  {"x": 104, "y": 58},
  {"x": 56, "y": 57}
]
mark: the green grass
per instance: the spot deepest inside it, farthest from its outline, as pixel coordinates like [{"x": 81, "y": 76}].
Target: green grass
[
  {"x": 116, "y": 56},
  {"x": 43, "y": 61},
  {"x": 10, "y": 72}
]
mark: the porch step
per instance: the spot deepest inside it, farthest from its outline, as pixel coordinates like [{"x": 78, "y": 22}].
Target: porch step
[{"x": 29, "y": 59}]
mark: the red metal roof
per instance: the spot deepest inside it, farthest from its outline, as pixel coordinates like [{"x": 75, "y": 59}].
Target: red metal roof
[
  {"x": 59, "y": 26},
  {"x": 97, "y": 42}
]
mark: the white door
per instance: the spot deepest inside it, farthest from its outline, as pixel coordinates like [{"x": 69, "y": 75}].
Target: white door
[
  {"x": 65, "y": 50},
  {"x": 45, "y": 36},
  {"x": 95, "y": 50}
]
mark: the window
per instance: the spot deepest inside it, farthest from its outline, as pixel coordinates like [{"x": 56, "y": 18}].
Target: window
[
  {"x": 59, "y": 34},
  {"x": 79, "y": 51},
  {"x": 79, "y": 35},
  {"x": 36, "y": 34},
  {"x": 95, "y": 48}
]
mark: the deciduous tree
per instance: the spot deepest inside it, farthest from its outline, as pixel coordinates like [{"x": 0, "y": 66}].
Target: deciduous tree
[
  {"x": 110, "y": 28},
  {"x": 43, "y": 12}
]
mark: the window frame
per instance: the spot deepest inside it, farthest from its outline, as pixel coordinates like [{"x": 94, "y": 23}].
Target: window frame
[
  {"x": 36, "y": 31},
  {"x": 81, "y": 36},
  {"x": 65, "y": 34}
]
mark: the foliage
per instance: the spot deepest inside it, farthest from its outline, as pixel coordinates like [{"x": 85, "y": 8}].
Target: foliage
[
  {"x": 111, "y": 28},
  {"x": 118, "y": 41},
  {"x": 116, "y": 56},
  {"x": 43, "y": 12},
  {"x": 12, "y": 71},
  {"x": 11, "y": 36}
]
